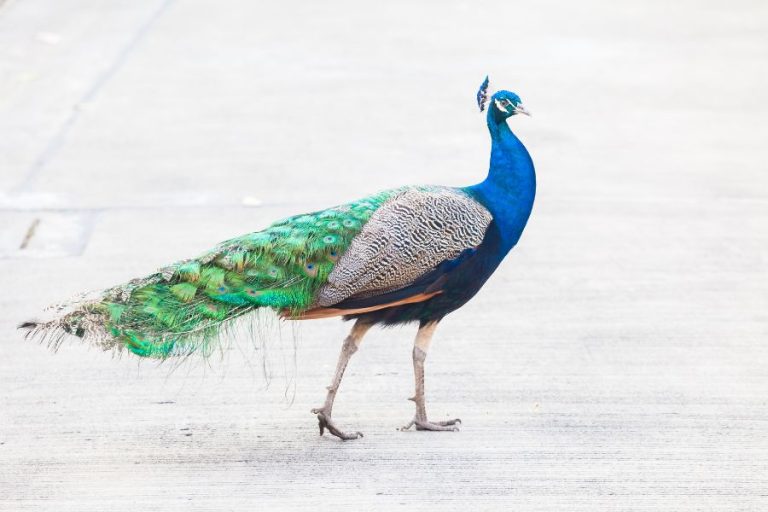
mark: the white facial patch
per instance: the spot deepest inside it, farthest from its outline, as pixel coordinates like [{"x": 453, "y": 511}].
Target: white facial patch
[{"x": 501, "y": 107}]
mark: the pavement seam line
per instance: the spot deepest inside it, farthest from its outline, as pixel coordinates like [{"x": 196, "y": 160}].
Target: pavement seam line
[{"x": 30, "y": 233}]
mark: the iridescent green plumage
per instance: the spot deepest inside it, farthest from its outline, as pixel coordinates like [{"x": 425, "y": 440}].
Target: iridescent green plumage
[{"x": 182, "y": 308}]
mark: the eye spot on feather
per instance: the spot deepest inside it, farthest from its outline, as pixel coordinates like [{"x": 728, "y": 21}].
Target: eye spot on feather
[
  {"x": 349, "y": 223},
  {"x": 334, "y": 224},
  {"x": 329, "y": 239},
  {"x": 221, "y": 289},
  {"x": 310, "y": 269},
  {"x": 272, "y": 272},
  {"x": 211, "y": 311},
  {"x": 333, "y": 256}
]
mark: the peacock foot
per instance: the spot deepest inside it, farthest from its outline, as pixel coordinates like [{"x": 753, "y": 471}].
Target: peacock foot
[
  {"x": 435, "y": 426},
  {"x": 325, "y": 422}
]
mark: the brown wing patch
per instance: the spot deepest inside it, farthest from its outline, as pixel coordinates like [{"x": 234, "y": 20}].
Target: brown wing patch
[{"x": 316, "y": 313}]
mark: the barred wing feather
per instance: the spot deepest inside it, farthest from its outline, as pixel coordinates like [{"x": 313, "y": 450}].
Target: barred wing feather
[{"x": 410, "y": 235}]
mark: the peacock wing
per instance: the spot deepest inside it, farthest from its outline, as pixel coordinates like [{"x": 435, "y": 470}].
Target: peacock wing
[{"x": 408, "y": 236}]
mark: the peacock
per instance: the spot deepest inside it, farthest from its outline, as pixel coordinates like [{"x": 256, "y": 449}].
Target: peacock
[{"x": 411, "y": 254}]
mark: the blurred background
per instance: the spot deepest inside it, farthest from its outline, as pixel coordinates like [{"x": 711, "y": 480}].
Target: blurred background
[{"x": 617, "y": 360}]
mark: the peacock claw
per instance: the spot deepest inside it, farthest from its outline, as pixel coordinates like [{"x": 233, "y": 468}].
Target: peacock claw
[
  {"x": 434, "y": 426},
  {"x": 325, "y": 422}
]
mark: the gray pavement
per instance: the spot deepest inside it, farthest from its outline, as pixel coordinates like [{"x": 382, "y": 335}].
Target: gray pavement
[{"x": 617, "y": 361}]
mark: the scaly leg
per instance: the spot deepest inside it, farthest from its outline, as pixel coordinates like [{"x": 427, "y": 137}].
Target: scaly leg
[
  {"x": 420, "y": 349},
  {"x": 350, "y": 346}
]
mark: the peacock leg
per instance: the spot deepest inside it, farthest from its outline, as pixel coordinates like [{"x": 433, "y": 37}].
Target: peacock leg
[
  {"x": 420, "y": 348},
  {"x": 324, "y": 413}
]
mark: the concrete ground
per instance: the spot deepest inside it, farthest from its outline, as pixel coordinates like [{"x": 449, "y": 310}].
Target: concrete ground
[{"x": 617, "y": 361}]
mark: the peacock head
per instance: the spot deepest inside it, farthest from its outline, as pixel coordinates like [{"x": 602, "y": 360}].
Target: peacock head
[{"x": 503, "y": 104}]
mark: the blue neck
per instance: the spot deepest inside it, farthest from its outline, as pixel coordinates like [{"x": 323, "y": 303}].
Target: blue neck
[{"x": 510, "y": 187}]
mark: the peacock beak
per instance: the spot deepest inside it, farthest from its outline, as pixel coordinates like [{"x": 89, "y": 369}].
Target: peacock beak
[{"x": 519, "y": 109}]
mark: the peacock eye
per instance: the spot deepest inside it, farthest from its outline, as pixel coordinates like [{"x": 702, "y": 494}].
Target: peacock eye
[{"x": 502, "y": 104}]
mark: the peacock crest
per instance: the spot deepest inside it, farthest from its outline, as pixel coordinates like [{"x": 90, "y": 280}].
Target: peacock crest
[{"x": 482, "y": 94}]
